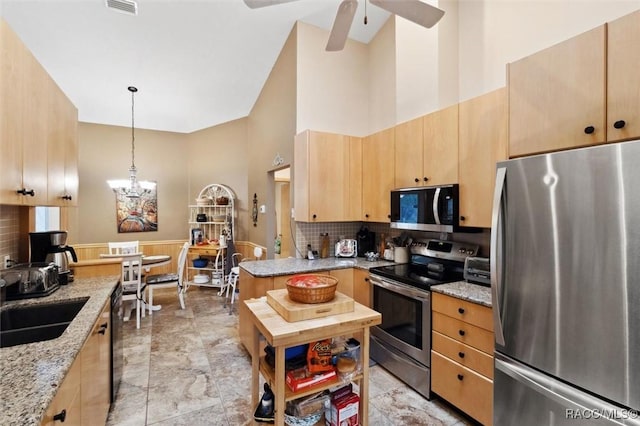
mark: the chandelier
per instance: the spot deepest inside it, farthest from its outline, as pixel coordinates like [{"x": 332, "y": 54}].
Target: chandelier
[{"x": 131, "y": 188}]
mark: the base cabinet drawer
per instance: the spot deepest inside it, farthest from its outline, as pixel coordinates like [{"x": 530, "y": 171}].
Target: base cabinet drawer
[
  {"x": 463, "y": 354},
  {"x": 467, "y": 390},
  {"x": 472, "y": 313},
  {"x": 474, "y": 336},
  {"x": 65, "y": 408}
]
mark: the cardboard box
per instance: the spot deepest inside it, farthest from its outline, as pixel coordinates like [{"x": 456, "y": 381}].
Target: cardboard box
[
  {"x": 344, "y": 411},
  {"x": 300, "y": 378}
]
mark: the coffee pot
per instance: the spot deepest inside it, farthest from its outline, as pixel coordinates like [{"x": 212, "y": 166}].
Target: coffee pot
[{"x": 50, "y": 247}]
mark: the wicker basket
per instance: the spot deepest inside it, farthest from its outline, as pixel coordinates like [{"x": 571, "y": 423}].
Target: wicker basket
[{"x": 312, "y": 288}]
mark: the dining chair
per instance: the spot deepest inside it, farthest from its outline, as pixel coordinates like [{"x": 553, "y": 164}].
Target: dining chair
[
  {"x": 232, "y": 279},
  {"x": 132, "y": 284},
  {"x": 123, "y": 247},
  {"x": 170, "y": 280}
]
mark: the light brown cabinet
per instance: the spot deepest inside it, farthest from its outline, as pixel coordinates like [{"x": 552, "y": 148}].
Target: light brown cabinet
[
  {"x": 378, "y": 175},
  {"x": 95, "y": 381},
  {"x": 362, "y": 287},
  {"x": 462, "y": 355},
  {"x": 66, "y": 405},
  {"x": 577, "y": 93},
  {"x": 83, "y": 398},
  {"x": 623, "y": 84},
  {"x": 557, "y": 96},
  {"x": 38, "y": 121},
  {"x": 427, "y": 149},
  {"x": 322, "y": 187},
  {"x": 482, "y": 143}
]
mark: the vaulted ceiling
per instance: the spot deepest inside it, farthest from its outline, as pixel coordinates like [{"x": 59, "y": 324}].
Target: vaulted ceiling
[{"x": 196, "y": 63}]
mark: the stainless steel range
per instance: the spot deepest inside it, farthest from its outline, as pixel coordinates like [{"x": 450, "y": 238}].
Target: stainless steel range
[{"x": 401, "y": 293}]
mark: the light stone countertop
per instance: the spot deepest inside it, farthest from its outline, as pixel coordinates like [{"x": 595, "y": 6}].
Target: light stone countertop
[
  {"x": 276, "y": 267},
  {"x": 466, "y": 291},
  {"x": 31, "y": 373}
]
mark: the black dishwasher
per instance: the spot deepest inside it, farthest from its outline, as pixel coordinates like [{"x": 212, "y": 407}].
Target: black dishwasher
[{"x": 117, "y": 356}]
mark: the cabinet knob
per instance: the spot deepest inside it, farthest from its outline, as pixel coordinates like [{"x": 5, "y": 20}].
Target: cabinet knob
[
  {"x": 388, "y": 216},
  {"x": 366, "y": 279},
  {"x": 67, "y": 197},
  {"x": 462, "y": 218},
  {"x": 461, "y": 354},
  {"x": 417, "y": 180},
  {"x": 366, "y": 215},
  {"x": 461, "y": 332},
  {"x": 103, "y": 328},
  {"x": 619, "y": 124},
  {"x": 425, "y": 179},
  {"x": 60, "y": 416},
  {"x": 24, "y": 191},
  {"x": 460, "y": 377},
  {"x": 589, "y": 130},
  {"x": 314, "y": 216},
  {"x": 461, "y": 310}
]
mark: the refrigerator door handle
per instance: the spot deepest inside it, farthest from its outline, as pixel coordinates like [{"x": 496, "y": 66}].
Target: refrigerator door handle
[
  {"x": 496, "y": 264},
  {"x": 567, "y": 396}
]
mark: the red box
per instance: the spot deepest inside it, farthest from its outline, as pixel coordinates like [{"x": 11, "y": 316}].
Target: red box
[
  {"x": 344, "y": 411},
  {"x": 301, "y": 378}
]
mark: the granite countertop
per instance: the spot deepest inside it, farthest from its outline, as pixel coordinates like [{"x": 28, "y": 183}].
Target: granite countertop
[
  {"x": 275, "y": 267},
  {"x": 31, "y": 373},
  {"x": 466, "y": 291}
]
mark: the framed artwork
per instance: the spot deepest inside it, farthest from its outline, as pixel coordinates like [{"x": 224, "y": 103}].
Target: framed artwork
[{"x": 137, "y": 214}]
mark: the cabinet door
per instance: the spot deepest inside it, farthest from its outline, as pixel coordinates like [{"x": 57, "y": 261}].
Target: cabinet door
[
  {"x": 440, "y": 135},
  {"x": 361, "y": 287},
  {"x": 378, "y": 175},
  {"x": 35, "y": 132},
  {"x": 252, "y": 287},
  {"x": 557, "y": 96},
  {"x": 409, "y": 155},
  {"x": 56, "y": 152},
  {"x": 12, "y": 60},
  {"x": 321, "y": 176},
  {"x": 483, "y": 142},
  {"x": 67, "y": 398},
  {"x": 354, "y": 212},
  {"x": 623, "y": 84},
  {"x": 345, "y": 281},
  {"x": 95, "y": 381}
]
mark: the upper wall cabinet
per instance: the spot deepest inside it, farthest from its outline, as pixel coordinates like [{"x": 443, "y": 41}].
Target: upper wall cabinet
[
  {"x": 378, "y": 173},
  {"x": 557, "y": 96},
  {"x": 623, "y": 81},
  {"x": 38, "y": 138},
  {"x": 483, "y": 142},
  {"x": 322, "y": 175},
  {"x": 427, "y": 150}
]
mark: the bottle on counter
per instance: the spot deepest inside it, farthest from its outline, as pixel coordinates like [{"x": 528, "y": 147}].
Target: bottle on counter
[{"x": 324, "y": 247}]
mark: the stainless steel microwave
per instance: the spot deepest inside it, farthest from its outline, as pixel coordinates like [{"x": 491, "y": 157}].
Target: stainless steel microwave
[{"x": 429, "y": 208}]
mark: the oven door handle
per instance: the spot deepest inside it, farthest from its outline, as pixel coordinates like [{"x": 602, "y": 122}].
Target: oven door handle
[{"x": 423, "y": 295}]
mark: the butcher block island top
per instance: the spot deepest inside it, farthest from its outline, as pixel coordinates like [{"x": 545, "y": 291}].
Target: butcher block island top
[
  {"x": 293, "y": 311},
  {"x": 281, "y": 334}
]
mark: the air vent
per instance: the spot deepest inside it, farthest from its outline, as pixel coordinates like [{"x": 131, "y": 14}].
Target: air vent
[{"x": 125, "y": 6}]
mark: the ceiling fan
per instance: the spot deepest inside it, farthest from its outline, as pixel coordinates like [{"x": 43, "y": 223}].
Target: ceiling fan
[{"x": 415, "y": 11}]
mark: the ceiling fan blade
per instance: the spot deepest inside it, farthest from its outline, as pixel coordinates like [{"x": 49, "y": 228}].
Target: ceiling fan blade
[
  {"x": 414, "y": 10},
  {"x": 341, "y": 25},
  {"x": 254, "y": 4}
]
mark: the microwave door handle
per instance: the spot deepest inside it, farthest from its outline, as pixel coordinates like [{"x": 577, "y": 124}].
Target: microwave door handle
[
  {"x": 436, "y": 204},
  {"x": 496, "y": 256}
]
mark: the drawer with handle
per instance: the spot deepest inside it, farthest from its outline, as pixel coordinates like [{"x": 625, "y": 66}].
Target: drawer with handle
[
  {"x": 477, "y": 337},
  {"x": 478, "y": 315},
  {"x": 463, "y": 354}
]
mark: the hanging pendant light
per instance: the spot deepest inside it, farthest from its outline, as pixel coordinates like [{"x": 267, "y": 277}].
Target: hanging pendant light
[{"x": 131, "y": 188}]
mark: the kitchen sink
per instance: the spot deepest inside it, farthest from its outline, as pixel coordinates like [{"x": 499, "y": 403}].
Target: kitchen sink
[{"x": 35, "y": 323}]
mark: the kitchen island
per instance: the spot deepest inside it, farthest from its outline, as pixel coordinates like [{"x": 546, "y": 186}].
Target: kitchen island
[
  {"x": 30, "y": 374},
  {"x": 259, "y": 276}
]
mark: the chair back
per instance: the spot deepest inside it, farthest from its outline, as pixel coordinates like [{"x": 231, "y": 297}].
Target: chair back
[
  {"x": 131, "y": 276},
  {"x": 182, "y": 260},
  {"x": 123, "y": 247}
]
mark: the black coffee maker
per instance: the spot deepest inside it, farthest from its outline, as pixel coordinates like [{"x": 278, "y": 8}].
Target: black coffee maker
[{"x": 51, "y": 247}]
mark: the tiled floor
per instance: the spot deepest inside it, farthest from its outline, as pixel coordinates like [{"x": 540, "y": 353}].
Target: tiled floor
[{"x": 187, "y": 367}]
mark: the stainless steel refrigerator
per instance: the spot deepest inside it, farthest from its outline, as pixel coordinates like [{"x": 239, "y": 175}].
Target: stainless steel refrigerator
[{"x": 565, "y": 263}]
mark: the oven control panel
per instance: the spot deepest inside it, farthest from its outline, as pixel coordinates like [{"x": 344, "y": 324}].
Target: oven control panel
[{"x": 451, "y": 250}]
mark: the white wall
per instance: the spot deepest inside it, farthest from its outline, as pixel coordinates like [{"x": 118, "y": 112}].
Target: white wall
[
  {"x": 493, "y": 33},
  {"x": 332, "y": 86},
  {"x": 382, "y": 78}
]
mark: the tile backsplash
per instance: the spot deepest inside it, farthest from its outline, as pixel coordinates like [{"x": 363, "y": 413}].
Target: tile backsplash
[{"x": 9, "y": 231}]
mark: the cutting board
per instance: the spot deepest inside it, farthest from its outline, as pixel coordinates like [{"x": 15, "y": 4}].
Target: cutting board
[{"x": 294, "y": 311}]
